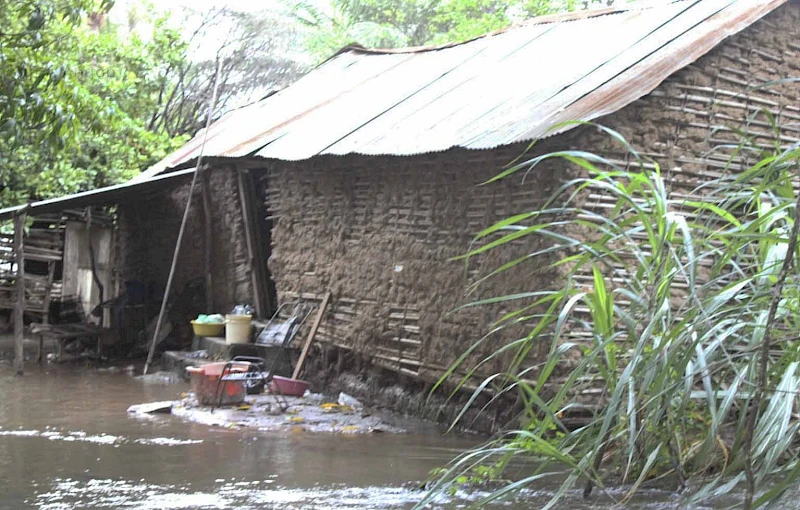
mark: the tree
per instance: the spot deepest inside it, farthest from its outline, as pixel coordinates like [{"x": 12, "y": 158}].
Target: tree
[
  {"x": 85, "y": 103},
  {"x": 254, "y": 57},
  {"x": 71, "y": 99},
  {"x": 332, "y": 24},
  {"x": 32, "y": 85}
]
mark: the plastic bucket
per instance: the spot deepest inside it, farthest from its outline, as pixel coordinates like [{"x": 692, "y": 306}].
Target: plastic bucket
[{"x": 237, "y": 328}]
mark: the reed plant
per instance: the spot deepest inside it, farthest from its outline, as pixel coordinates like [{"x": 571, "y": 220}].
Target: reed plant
[{"x": 686, "y": 372}]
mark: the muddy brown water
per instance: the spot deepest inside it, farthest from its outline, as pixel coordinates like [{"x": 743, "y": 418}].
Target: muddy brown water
[{"x": 67, "y": 442}]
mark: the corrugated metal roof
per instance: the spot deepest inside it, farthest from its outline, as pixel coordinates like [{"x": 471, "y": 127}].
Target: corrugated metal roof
[
  {"x": 503, "y": 88},
  {"x": 110, "y": 195}
]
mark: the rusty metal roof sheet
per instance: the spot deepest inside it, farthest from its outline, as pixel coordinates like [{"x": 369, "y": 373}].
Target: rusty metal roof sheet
[
  {"x": 110, "y": 195},
  {"x": 507, "y": 87}
]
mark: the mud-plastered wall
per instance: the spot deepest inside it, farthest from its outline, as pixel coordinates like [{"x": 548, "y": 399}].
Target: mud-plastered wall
[
  {"x": 384, "y": 235},
  {"x": 148, "y": 230},
  {"x": 381, "y": 233}
]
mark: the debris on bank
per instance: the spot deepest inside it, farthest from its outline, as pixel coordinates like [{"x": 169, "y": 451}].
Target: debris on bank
[
  {"x": 152, "y": 408},
  {"x": 311, "y": 412}
]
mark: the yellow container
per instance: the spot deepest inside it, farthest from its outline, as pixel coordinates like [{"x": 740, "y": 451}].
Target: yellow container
[
  {"x": 237, "y": 328},
  {"x": 207, "y": 328}
]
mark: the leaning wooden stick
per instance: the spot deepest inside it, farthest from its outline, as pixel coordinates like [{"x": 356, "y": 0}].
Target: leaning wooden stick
[{"x": 311, "y": 335}]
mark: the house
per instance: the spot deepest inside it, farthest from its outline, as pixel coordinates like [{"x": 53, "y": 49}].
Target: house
[{"x": 362, "y": 177}]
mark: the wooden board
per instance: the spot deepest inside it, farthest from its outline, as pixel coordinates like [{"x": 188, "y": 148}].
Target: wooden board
[
  {"x": 19, "y": 308},
  {"x": 311, "y": 335}
]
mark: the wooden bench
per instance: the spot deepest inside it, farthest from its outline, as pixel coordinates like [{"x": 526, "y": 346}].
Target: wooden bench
[{"x": 60, "y": 334}]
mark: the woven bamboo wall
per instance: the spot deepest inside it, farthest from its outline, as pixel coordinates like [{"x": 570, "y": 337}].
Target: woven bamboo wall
[
  {"x": 692, "y": 124},
  {"x": 148, "y": 230},
  {"x": 380, "y": 235},
  {"x": 380, "y": 232}
]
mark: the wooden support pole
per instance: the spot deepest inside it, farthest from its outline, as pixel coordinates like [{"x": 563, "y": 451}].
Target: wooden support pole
[
  {"x": 19, "y": 307},
  {"x": 259, "y": 243},
  {"x": 51, "y": 271},
  {"x": 208, "y": 243},
  {"x": 177, "y": 251},
  {"x": 247, "y": 220},
  {"x": 48, "y": 296},
  {"x": 311, "y": 334},
  {"x": 93, "y": 261}
]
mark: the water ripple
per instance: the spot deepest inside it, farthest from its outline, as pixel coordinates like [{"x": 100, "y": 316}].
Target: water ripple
[{"x": 102, "y": 439}]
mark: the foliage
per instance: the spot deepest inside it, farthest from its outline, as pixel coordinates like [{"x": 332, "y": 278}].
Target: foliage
[
  {"x": 459, "y": 20},
  {"x": 69, "y": 109},
  {"x": 255, "y": 58},
  {"x": 329, "y": 28},
  {"x": 31, "y": 86},
  {"x": 85, "y": 103},
  {"x": 681, "y": 299},
  {"x": 332, "y": 24}
]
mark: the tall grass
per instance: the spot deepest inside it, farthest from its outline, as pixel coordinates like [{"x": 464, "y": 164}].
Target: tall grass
[{"x": 692, "y": 317}]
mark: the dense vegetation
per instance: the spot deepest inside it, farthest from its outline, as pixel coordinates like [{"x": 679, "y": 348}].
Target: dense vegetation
[
  {"x": 695, "y": 348},
  {"x": 693, "y": 325},
  {"x": 73, "y": 100},
  {"x": 85, "y": 103}
]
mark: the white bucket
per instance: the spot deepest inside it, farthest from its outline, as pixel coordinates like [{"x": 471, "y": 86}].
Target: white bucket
[{"x": 237, "y": 328}]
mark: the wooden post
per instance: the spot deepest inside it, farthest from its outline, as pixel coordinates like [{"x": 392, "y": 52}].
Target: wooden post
[
  {"x": 258, "y": 243},
  {"x": 48, "y": 293},
  {"x": 311, "y": 335},
  {"x": 19, "y": 307},
  {"x": 248, "y": 232},
  {"x": 51, "y": 271},
  {"x": 93, "y": 261},
  {"x": 208, "y": 219}
]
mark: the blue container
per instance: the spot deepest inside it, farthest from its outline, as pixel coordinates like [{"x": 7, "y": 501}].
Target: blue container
[{"x": 135, "y": 291}]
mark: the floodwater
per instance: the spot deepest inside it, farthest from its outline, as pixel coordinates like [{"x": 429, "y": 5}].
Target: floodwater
[{"x": 67, "y": 442}]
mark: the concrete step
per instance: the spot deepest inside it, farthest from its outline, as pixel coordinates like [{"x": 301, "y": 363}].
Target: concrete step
[{"x": 217, "y": 350}]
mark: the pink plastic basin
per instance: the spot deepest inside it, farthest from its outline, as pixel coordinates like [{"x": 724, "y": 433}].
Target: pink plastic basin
[{"x": 289, "y": 387}]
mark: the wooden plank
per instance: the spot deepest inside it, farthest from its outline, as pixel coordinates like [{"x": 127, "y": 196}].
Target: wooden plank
[
  {"x": 93, "y": 264},
  {"x": 258, "y": 243},
  {"x": 207, "y": 259},
  {"x": 152, "y": 407},
  {"x": 72, "y": 250},
  {"x": 51, "y": 273},
  {"x": 248, "y": 232},
  {"x": 19, "y": 309},
  {"x": 311, "y": 334}
]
